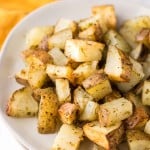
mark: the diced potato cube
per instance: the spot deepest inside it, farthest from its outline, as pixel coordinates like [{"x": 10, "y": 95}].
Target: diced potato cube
[
  {"x": 118, "y": 66},
  {"x": 101, "y": 135},
  {"x": 68, "y": 113},
  {"x": 135, "y": 77},
  {"x": 146, "y": 93},
  {"x": 63, "y": 90},
  {"x": 48, "y": 112},
  {"x": 22, "y": 104},
  {"x": 90, "y": 112},
  {"x": 65, "y": 24},
  {"x": 112, "y": 37},
  {"x": 35, "y": 35},
  {"x": 147, "y": 127},
  {"x": 82, "y": 50},
  {"x": 59, "y": 39},
  {"x": 59, "y": 72},
  {"x": 58, "y": 57},
  {"x": 97, "y": 85},
  {"x": 114, "y": 111},
  {"x": 81, "y": 98},
  {"x": 68, "y": 138},
  {"x": 138, "y": 140},
  {"x": 84, "y": 70}
]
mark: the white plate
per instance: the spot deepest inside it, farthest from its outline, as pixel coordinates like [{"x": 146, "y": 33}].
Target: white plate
[{"x": 25, "y": 129}]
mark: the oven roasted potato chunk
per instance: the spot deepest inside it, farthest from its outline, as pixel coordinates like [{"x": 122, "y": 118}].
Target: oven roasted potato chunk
[
  {"x": 147, "y": 127},
  {"x": 106, "y": 137},
  {"x": 97, "y": 85},
  {"x": 59, "y": 39},
  {"x": 146, "y": 93},
  {"x": 68, "y": 113},
  {"x": 22, "y": 104},
  {"x": 118, "y": 66},
  {"x": 83, "y": 51},
  {"x": 138, "y": 140},
  {"x": 114, "y": 111},
  {"x": 63, "y": 90},
  {"x": 48, "y": 108},
  {"x": 68, "y": 138}
]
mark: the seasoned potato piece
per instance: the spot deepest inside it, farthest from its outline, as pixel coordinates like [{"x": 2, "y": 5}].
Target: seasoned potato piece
[
  {"x": 58, "y": 57},
  {"x": 59, "y": 39},
  {"x": 146, "y": 69},
  {"x": 146, "y": 93},
  {"x": 22, "y": 104},
  {"x": 144, "y": 37},
  {"x": 107, "y": 16},
  {"x": 112, "y": 37},
  {"x": 97, "y": 85},
  {"x": 68, "y": 113},
  {"x": 138, "y": 140},
  {"x": 84, "y": 70},
  {"x": 65, "y": 24},
  {"x": 59, "y": 72},
  {"x": 88, "y": 22},
  {"x": 101, "y": 135},
  {"x": 37, "y": 76},
  {"x": 68, "y": 138},
  {"x": 82, "y": 50},
  {"x": 112, "y": 96},
  {"x": 135, "y": 77},
  {"x": 35, "y": 35},
  {"x": 81, "y": 98},
  {"x": 92, "y": 33},
  {"x": 22, "y": 77},
  {"x": 118, "y": 66},
  {"x": 114, "y": 111},
  {"x": 147, "y": 127},
  {"x": 63, "y": 90},
  {"x": 90, "y": 112},
  {"x": 131, "y": 28},
  {"x": 138, "y": 119},
  {"x": 48, "y": 112}
]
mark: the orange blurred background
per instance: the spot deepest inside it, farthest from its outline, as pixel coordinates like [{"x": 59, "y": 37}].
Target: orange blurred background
[{"x": 11, "y": 11}]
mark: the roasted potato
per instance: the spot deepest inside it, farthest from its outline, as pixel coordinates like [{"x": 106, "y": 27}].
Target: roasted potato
[
  {"x": 83, "y": 51},
  {"x": 97, "y": 85},
  {"x": 103, "y": 136},
  {"x": 68, "y": 138},
  {"x": 138, "y": 140},
  {"x": 147, "y": 127},
  {"x": 48, "y": 112},
  {"x": 22, "y": 104},
  {"x": 59, "y": 39},
  {"x": 112, "y": 37},
  {"x": 114, "y": 111},
  {"x": 68, "y": 113},
  {"x": 146, "y": 93},
  {"x": 63, "y": 90},
  {"x": 118, "y": 66}
]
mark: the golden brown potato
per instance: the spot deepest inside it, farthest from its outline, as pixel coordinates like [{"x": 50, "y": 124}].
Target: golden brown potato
[
  {"x": 83, "y": 51},
  {"x": 147, "y": 127},
  {"x": 97, "y": 85},
  {"x": 22, "y": 77},
  {"x": 114, "y": 111},
  {"x": 68, "y": 138},
  {"x": 22, "y": 104},
  {"x": 112, "y": 37},
  {"x": 106, "y": 137},
  {"x": 59, "y": 39},
  {"x": 68, "y": 113},
  {"x": 48, "y": 112},
  {"x": 107, "y": 16},
  {"x": 138, "y": 119},
  {"x": 138, "y": 140},
  {"x": 118, "y": 66}
]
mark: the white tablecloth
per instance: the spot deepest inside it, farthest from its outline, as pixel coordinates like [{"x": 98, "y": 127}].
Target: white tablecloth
[{"x": 7, "y": 141}]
